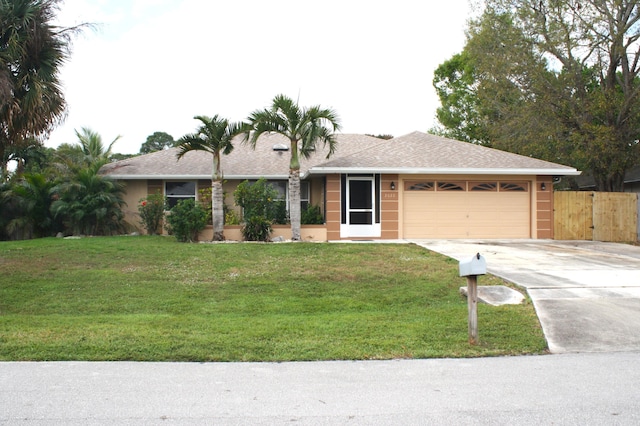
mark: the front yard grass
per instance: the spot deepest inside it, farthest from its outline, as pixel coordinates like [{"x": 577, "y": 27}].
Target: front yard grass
[{"x": 153, "y": 299}]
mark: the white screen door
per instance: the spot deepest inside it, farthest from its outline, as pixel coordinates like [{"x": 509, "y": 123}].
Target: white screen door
[{"x": 361, "y": 202}]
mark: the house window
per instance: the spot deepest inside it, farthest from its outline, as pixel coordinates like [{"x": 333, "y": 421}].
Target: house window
[
  {"x": 304, "y": 195},
  {"x": 282, "y": 187},
  {"x": 178, "y": 191},
  {"x": 280, "y": 203}
]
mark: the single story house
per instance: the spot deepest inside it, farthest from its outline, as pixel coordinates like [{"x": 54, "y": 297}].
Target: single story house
[{"x": 413, "y": 186}]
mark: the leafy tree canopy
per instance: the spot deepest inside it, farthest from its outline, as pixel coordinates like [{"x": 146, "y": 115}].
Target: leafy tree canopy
[
  {"x": 383, "y": 136},
  {"x": 553, "y": 79},
  {"x": 157, "y": 142}
]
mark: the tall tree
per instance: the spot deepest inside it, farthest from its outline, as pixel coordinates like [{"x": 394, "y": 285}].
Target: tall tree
[
  {"x": 157, "y": 142},
  {"x": 305, "y": 128},
  {"x": 559, "y": 80},
  {"x": 455, "y": 82},
  {"x": 32, "y": 51},
  {"x": 215, "y": 135}
]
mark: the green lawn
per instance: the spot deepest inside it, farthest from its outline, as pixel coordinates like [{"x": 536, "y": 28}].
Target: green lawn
[{"x": 153, "y": 299}]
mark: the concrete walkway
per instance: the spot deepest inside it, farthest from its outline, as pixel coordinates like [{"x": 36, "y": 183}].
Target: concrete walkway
[{"x": 586, "y": 294}]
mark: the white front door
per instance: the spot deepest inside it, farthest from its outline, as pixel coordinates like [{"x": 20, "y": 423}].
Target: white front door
[{"x": 360, "y": 208}]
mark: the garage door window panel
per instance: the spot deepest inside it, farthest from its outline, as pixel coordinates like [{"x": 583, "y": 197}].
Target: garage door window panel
[
  {"x": 419, "y": 186},
  {"x": 514, "y": 187},
  {"x": 483, "y": 186},
  {"x": 452, "y": 186}
]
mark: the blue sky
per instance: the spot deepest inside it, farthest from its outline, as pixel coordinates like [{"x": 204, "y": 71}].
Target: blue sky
[{"x": 152, "y": 65}]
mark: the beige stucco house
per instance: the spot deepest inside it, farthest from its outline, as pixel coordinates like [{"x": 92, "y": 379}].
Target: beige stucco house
[{"x": 413, "y": 186}]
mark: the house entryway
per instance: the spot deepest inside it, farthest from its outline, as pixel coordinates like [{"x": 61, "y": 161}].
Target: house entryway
[{"x": 360, "y": 215}]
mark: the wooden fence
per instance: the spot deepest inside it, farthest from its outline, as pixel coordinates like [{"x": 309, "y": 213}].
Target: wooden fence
[{"x": 597, "y": 216}]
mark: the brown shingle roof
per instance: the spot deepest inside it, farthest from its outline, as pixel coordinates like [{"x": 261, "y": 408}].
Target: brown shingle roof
[
  {"x": 416, "y": 152},
  {"x": 420, "y": 152},
  {"x": 243, "y": 163}
]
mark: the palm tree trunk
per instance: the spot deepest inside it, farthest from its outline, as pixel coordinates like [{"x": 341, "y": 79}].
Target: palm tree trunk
[
  {"x": 3, "y": 163},
  {"x": 294, "y": 203},
  {"x": 217, "y": 210}
]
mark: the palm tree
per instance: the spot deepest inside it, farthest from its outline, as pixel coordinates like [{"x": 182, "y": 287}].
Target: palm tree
[
  {"x": 215, "y": 135},
  {"x": 93, "y": 150},
  {"x": 90, "y": 204},
  {"x": 305, "y": 128},
  {"x": 31, "y": 197},
  {"x": 89, "y": 152},
  {"x": 32, "y": 52}
]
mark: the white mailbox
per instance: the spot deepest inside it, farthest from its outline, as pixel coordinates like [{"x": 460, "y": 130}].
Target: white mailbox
[{"x": 475, "y": 265}]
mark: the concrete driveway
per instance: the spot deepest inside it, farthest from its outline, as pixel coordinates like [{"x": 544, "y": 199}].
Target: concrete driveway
[{"x": 586, "y": 294}]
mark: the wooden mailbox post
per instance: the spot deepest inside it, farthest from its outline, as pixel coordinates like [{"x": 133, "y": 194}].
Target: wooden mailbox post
[{"x": 471, "y": 268}]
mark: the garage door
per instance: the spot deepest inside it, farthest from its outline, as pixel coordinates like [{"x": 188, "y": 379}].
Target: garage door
[{"x": 466, "y": 209}]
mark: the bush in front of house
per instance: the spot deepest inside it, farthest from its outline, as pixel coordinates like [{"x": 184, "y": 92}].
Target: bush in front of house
[
  {"x": 280, "y": 213},
  {"x": 151, "y": 210},
  {"x": 257, "y": 228},
  {"x": 312, "y": 215},
  {"x": 186, "y": 220},
  {"x": 87, "y": 203},
  {"x": 259, "y": 207}
]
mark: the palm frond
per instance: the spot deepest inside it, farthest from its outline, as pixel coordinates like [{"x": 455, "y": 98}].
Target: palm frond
[{"x": 191, "y": 142}]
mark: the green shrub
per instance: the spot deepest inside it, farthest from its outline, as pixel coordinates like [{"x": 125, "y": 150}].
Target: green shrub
[
  {"x": 151, "y": 211},
  {"x": 186, "y": 220},
  {"x": 280, "y": 213},
  {"x": 231, "y": 217},
  {"x": 260, "y": 208},
  {"x": 88, "y": 203},
  {"x": 312, "y": 215},
  {"x": 204, "y": 198},
  {"x": 257, "y": 228}
]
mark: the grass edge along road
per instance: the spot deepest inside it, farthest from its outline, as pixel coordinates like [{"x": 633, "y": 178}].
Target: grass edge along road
[{"x": 152, "y": 299}]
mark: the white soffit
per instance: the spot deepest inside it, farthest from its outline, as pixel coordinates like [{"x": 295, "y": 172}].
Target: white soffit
[{"x": 446, "y": 171}]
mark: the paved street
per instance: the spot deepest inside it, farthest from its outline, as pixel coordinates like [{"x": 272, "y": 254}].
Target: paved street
[{"x": 569, "y": 389}]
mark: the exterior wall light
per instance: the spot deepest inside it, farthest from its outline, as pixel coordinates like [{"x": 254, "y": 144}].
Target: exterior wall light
[
  {"x": 393, "y": 186},
  {"x": 543, "y": 186}
]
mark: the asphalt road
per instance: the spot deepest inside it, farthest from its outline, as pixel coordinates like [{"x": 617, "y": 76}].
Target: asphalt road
[{"x": 569, "y": 389}]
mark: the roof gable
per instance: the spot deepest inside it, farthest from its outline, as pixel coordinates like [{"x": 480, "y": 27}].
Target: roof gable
[{"x": 420, "y": 152}]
